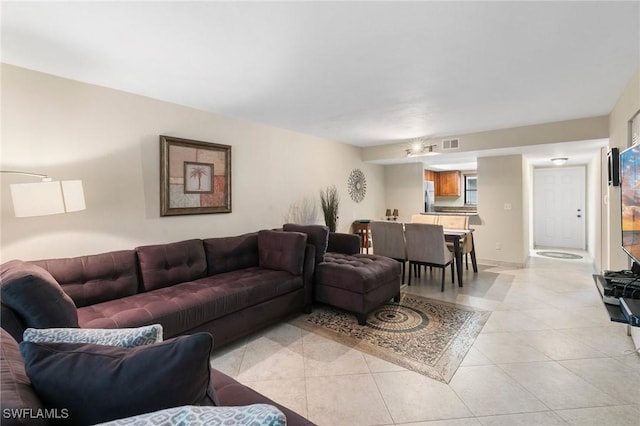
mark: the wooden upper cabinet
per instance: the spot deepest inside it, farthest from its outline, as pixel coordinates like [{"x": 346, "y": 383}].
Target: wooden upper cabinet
[
  {"x": 430, "y": 175},
  {"x": 448, "y": 184}
]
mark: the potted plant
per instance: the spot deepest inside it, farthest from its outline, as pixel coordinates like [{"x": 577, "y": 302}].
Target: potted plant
[{"x": 330, "y": 200}]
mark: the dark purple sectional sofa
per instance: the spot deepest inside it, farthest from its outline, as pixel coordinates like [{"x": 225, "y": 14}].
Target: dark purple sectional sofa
[{"x": 228, "y": 287}]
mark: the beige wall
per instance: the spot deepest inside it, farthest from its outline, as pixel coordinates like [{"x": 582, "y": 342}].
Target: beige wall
[
  {"x": 109, "y": 139},
  {"x": 562, "y": 131},
  {"x": 403, "y": 187},
  {"x": 502, "y": 180},
  {"x": 626, "y": 106}
]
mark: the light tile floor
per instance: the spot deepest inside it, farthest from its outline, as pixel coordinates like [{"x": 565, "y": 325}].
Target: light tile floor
[{"x": 548, "y": 355}]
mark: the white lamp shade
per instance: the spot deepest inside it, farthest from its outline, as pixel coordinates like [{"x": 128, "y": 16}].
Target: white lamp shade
[
  {"x": 73, "y": 194},
  {"x": 47, "y": 198}
]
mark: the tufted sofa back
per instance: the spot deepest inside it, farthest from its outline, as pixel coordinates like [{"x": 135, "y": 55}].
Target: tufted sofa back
[
  {"x": 164, "y": 265},
  {"x": 226, "y": 254},
  {"x": 317, "y": 235},
  {"x": 96, "y": 278}
]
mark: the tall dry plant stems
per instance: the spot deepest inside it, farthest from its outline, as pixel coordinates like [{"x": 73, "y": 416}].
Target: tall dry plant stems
[
  {"x": 302, "y": 212},
  {"x": 329, "y": 200}
]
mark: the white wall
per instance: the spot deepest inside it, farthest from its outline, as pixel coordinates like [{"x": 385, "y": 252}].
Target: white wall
[
  {"x": 109, "y": 139},
  {"x": 527, "y": 208},
  {"x": 593, "y": 211},
  {"x": 627, "y": 105}
]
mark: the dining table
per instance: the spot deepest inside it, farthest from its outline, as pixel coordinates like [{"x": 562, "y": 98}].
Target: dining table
[{"x": 457, "y": 237}]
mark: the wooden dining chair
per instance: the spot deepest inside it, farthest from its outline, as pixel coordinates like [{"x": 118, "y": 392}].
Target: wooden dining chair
[
  {"x": 388, "y": 240},
  {"x": 459, "y": 222},
  {"x": 454, "y": 222},
  {"x": 425, "y": 218},
  {"x": 426, "y": 246},
  {"x": 363, "y": 230}
]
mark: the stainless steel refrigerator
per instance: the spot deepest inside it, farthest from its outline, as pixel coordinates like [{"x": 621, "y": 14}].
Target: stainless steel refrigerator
[{"x": 429, "y": 196}]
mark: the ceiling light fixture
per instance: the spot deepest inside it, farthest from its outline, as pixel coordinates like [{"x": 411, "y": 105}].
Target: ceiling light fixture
[
  {"x": 421, "y": 149},
  {"x": 559, "y": 161}
]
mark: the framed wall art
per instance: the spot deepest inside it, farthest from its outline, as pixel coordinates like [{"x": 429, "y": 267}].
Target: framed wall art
[{"x": 195, "y": 177}]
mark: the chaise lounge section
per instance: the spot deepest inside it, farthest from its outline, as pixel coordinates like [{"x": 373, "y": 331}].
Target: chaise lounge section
[{"x": 346, "y": 279}]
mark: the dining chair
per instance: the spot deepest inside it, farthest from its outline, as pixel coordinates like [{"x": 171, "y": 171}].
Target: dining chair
[
  {"x": 432, "y": 219},
  {"x": 425, "y": 218},
  {"x": 426, "y": 246},
  {"x": 454, "y": 222},
  {"x": 388, "y": 240},
  {"x": 459, "y": 222},
  {"x": 362, "y": 229}
]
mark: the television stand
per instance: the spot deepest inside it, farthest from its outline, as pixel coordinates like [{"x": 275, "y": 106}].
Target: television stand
[
  {"x": 610, "y": 301},
  {"x": 625, "y": 313},
  {"x": 620, "y": 293}
]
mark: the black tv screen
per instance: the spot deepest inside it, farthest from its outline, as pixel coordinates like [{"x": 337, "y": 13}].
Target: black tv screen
[{"x": 630, "y": 201}]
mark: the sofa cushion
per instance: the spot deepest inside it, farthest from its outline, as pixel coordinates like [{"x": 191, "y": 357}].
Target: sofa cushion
[
  {"x": 164, "y": 265},
  {"x": 15, "y": 386},
  {"x": 96, "y": 278},
  {"x": 117, "y": 382},
  {"x": 231, "y": 253},
  {"x": 123, "y": 337},
  {"x": 317, "y": 235},
  {"x": 359, "y": 273},
  {"x": 282, "y": 251},
  {"x": 246, "y": 415},
  {"x": 35, "y": 296},
  {"x": 185, "y": 306}
]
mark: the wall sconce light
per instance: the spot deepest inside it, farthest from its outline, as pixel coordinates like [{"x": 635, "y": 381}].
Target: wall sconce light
[
  {"x": 421, "y": 149},
  {"x": 46, "y": 197},
  {"x": 559, "y": 161}
]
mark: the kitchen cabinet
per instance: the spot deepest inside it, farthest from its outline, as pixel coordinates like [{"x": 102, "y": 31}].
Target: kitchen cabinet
[
  {"x": 430, "y": 175},
  {"x": 448, "y": 184}
]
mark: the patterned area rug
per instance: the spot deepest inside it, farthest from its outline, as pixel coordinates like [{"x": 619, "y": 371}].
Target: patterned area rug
[
  {"x": 558, "y": 255},
  {"x": 420, "y": 334}
]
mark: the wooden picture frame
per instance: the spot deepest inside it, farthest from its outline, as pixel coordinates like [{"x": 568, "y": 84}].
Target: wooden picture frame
[{"x": 195, "y": 177}]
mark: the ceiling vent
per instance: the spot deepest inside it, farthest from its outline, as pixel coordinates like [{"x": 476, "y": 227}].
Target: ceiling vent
[{"x": 450, "y": 144}]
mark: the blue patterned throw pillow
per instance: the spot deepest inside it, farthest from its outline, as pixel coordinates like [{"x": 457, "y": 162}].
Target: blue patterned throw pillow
[
  {"x": 190, "y": 415},
  {"x": 123, "y": 337}
]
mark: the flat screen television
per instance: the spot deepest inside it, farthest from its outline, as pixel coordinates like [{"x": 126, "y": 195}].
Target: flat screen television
[{"x": 630, "y": 203}]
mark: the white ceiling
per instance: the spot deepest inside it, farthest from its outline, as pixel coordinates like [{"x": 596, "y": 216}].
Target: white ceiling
[{"x": 363, "y": 73}]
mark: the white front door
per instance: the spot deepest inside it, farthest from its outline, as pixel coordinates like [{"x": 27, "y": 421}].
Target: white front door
[{"x": 559, "y": 207}]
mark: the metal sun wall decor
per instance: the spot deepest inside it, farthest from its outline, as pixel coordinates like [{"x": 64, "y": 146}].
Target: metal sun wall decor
[
  {"x": 195, "y": 177},
  {"x": 357, "y": 185}
]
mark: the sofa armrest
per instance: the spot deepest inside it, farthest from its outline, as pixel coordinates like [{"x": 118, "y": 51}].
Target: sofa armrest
[
  {"x": 343, "y": 243},
  {"x": 11, "y": 323}
]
